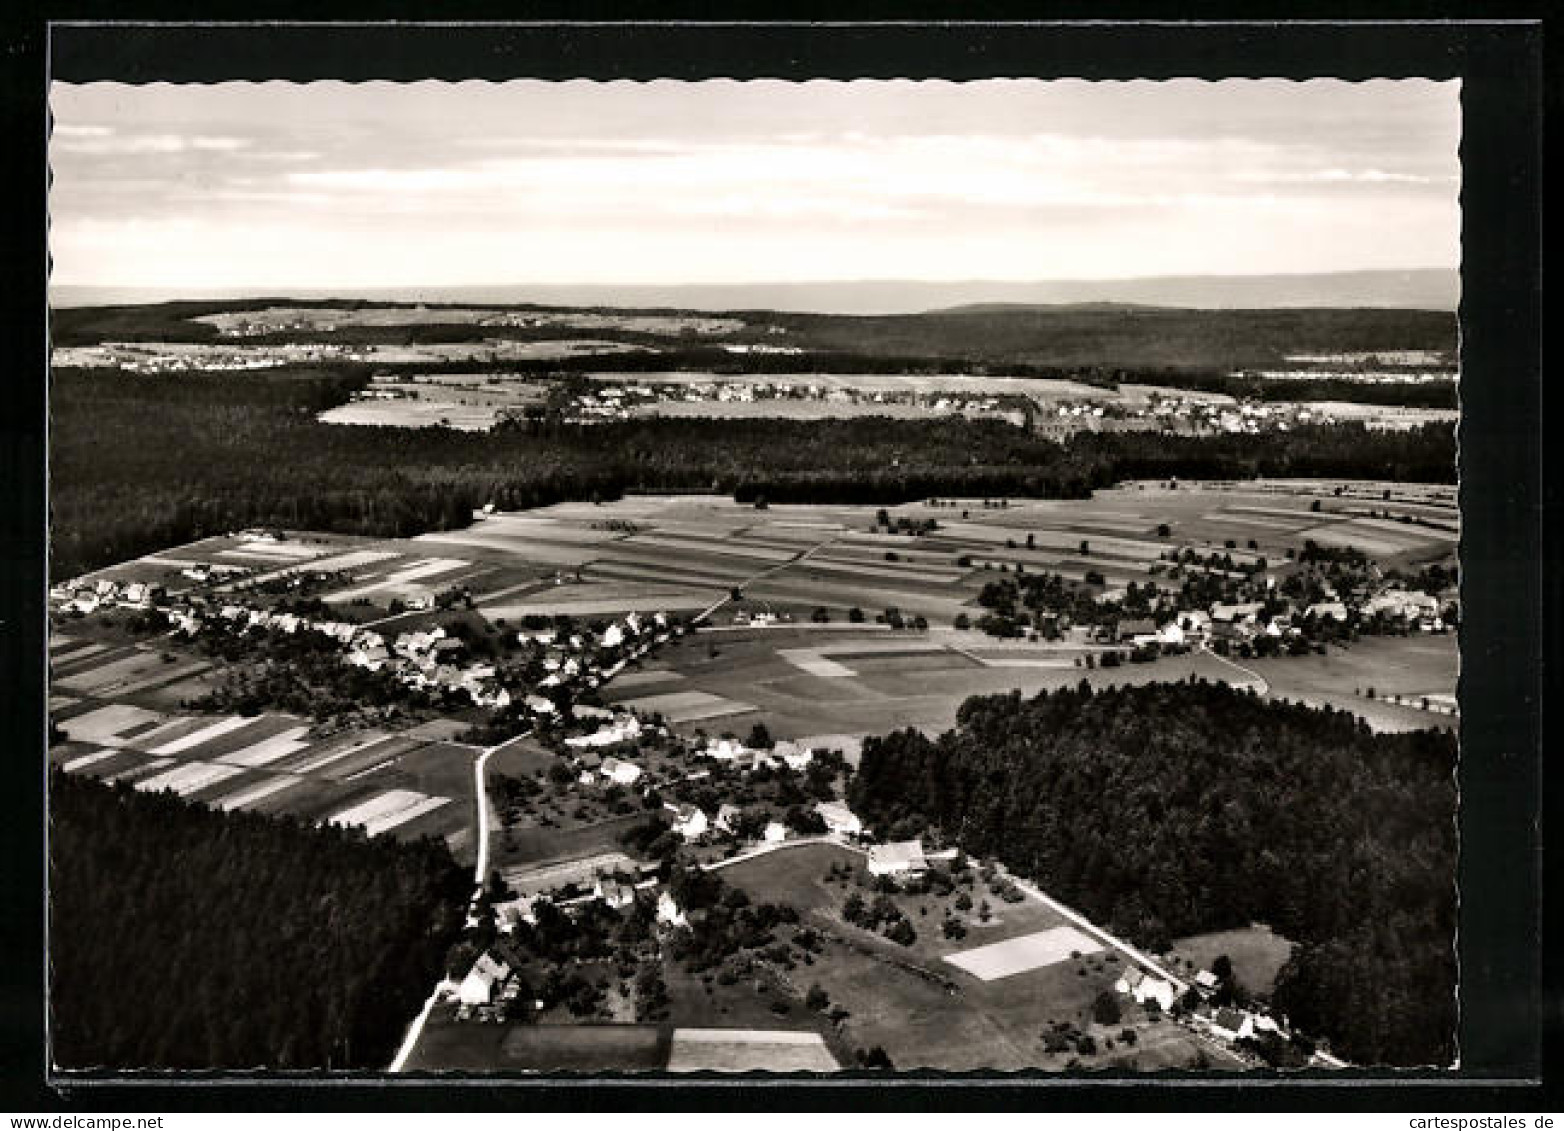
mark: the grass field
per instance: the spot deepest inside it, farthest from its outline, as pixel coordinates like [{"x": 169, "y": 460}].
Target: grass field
[
  {"x": 1410, "y": 667},
  {"x": 1023, "y": 953},
  {"x": 926, "y": 1012},
  {"x": 748, "y": 1050},
  {"x": 447, "y": 1044},
  {"x": 1257, "y": 954}
]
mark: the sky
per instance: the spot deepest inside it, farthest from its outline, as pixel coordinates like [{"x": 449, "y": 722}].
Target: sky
[{"x": 272, "y": 185}]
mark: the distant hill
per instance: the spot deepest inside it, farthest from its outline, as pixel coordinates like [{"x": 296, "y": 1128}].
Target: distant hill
[
  {"x": 1414, "y": 289},
  {"x": 1099, "y": 336}
]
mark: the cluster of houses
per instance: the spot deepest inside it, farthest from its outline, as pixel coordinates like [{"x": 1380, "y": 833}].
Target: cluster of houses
[
  {"x": 79, "y": 596},
  {"x": 614, "y": 402},
  {"x": 427, "y": 659},
  {"x": 182, "y": 357},
  {"x": 1244, "y": 621},
  {"x": 1225, "y": 1023},
  {"x": 1182, "y": 415}
]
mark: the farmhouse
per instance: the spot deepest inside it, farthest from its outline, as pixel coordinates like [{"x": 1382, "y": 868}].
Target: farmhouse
[
  {"x": 624, "y": 773},
  {"x": 613, "y": 893},
  {"x": 1195, "y": 623},
  {"x": 486, "y": 975},
  {"x": 1231, "y": 1025},
  {"x": 795, "y": 756},
  {"x": 726, "y": 750},
  {"x": 839, "y": 819},
  {"x": 688, "y": 821},
  {"x": 1138, "y": 629},
  {"x": 726, "y": 815},
  {"x": 668, "y": 911},
  {"x": 1236, "y": 614},
  {"x": 1327, "y": 610},
  {"x": 1205, "y": 981},
  {"x": 776, "y": 832},
  {"x": 622, "y": 731},
  {"x": 895, "y": 859}
]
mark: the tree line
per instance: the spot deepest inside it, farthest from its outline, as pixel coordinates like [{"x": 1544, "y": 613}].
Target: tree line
[{"x": 1168, "y": 810}]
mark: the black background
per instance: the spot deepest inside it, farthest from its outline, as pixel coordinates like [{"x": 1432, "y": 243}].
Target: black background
[{"x": 1510, "y": 1000}]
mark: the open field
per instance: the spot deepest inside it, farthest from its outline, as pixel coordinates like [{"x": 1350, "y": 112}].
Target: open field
[
  {"x": 926, "y": 1011},
  {"x": 748, "y": 1050},
  {"x": 805, "y": 691},
  {"x": 410, "y": 786},
  {"x": 1024, "y": 953},
  {"x": 1409, "y": 667},
  {"x": 447, "y": 1045},
  {"x": 1257, "y": 954}
]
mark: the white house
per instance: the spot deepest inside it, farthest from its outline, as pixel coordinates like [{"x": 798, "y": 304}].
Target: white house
[
  {"x": 1158, "y": 990},
  {"x": 839, "y": 819},
  {"x": 776, "y": 832},
  {"x": 726, "y": 750},
  {"x": 1205, "y": 981},
  {"x": 622, "y": 731},
  {"x": 482, "y": 981},
  {"x": 1327, "y": 610},
  {"x": 668, "y": 911},
  {"x": 896, "y": 859},
  {"x": 726, "y": 815},
  {"x": 1171, "y": 633},
  {"x": 688, "y": 821},
  {"x": 796, "y": 757},
  {"x": 613, "y": 893},
  {"x": 1236, "y": 614},
  {"x": 625, "y": 773}
]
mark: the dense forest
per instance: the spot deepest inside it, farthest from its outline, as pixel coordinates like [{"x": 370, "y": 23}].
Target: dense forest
[
  {"x": 1174, "y": 809},
  {"x": 184, "y": 937},
  {"x": 140, "y": 462}
]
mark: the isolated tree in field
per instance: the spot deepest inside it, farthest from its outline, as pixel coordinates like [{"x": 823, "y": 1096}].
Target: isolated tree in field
[
  {"x": 817, "y": 999},
  {"x": 1086, "y": 547},
  {"x": 1222, "y": 967},
  {"x": 1105, "y": 1010},
  {"x": 962, "y": 622},
  {"x": 855, "y": 614},
  {"x": 760, "y": 737},
  {"x": 821, "y": 615},
  {"x": 1163, "y": 530}
]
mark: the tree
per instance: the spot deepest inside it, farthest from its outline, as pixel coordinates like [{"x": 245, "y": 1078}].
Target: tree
[
  {"x": 962, "y": 622},
  {"x": 817, "y": 999},
  {"x": 1105, "y": 1009},
  {"x": 855, "y": 615},
  {"x": 821, "y": 615},
  {"x": 1164, "y": 530},
  {"x": 759, "y": 738},
  {"x": 1222, "y": 967}
]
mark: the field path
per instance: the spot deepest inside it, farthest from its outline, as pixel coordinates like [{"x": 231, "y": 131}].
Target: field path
[
  {"x": 1263, "y": 685},
  {"x": 479, "y": 873},
  {"x": 761, "y": 576}
]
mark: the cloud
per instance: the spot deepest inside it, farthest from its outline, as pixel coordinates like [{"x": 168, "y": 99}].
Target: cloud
[
  {"x": 109, "y": 144},
  {"x": 1342, "y": 176},
  {"x": 65, "y": 131}
]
